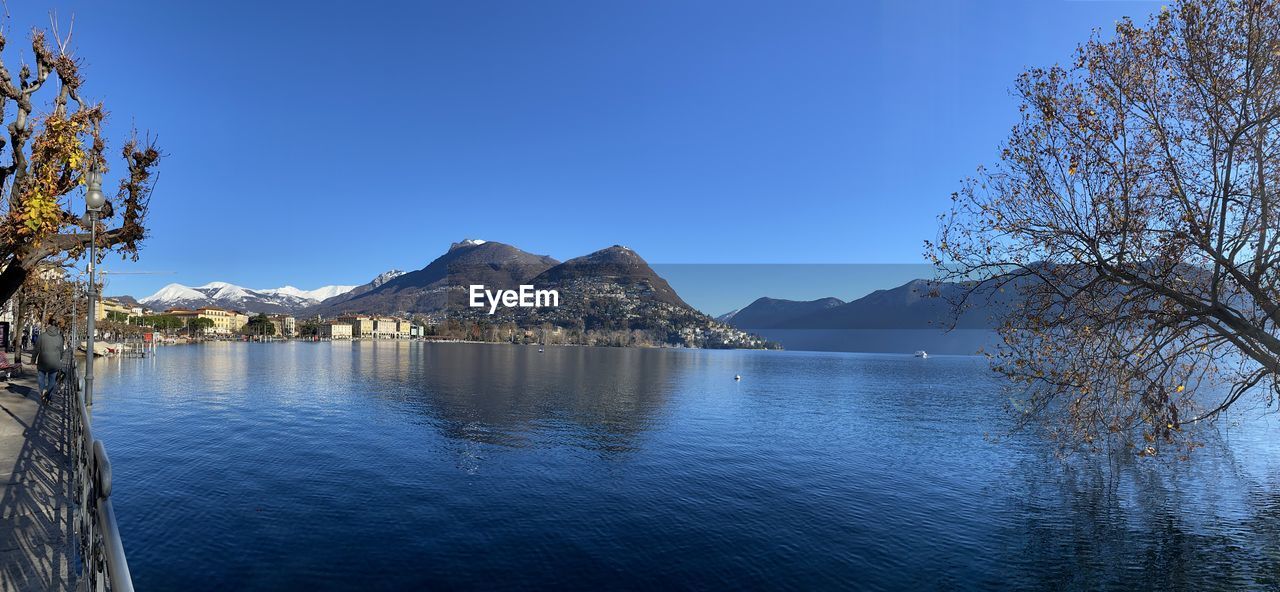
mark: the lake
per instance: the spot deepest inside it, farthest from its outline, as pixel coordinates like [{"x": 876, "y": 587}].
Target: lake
[{"x": 397, "y": 465}]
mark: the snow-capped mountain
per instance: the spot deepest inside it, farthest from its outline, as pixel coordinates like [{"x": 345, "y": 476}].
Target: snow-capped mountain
[
  {"x": 173, "y": 293},
  {"x": 287, "y": 299},
  {"x": 224, "y": 295},
  {"x": 383, "y": 278},
  {"x": 317, "y": 294}
]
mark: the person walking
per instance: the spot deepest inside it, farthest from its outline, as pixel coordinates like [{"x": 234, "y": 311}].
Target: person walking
[{"x": 50, "y": 359}]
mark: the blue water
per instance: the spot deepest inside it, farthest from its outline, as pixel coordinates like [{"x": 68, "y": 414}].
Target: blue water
[{"x": 384, "y": 466}]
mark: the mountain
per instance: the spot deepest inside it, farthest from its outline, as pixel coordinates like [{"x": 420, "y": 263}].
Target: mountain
[
  {"x": 615, "y": 267},
  {"x": 318, "y": 294},
  {"x": 442, "y": 283},
  {"x": 918, "y": 304},
  {"x": 767, "y": 313},
  {"x": 910, "y": 317},
  {"x": 614, "y": 292},
  {"x": 382, "y": 278},
  {"x": 124, "y": 299},
  {"x": 609, "y": 297},
  {"x": 224, "y": 295},
  {"x": 287, "y": 300}
]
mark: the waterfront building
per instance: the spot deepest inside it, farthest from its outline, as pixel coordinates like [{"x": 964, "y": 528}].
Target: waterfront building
[
  {"x": 335, "y": 331},
  {"x": 379, "y": 327},
  {"x": 104, "y": 307},
  {"x": 182, "y": 314},
  {"x": 225, "y": 322},
  {"x": 388, "y": 328},
  {"x": 361, "y": 325},
  {"x": 238, "y": 320},
  {"x": 285, "y": 325}
]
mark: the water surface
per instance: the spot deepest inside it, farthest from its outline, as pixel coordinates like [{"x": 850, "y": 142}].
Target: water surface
[{"x": 466, "y": 466}]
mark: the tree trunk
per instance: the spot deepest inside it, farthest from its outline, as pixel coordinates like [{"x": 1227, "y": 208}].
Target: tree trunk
[
  {"x": 18, "y": 325},
  {"x": 11, "y": 279}
]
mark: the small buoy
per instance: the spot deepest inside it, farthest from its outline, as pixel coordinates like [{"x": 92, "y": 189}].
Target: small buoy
[{"x": 737, "y": 377}]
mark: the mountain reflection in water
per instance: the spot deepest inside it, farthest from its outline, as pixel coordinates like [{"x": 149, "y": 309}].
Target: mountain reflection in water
[{"x": 382, "y": 466}]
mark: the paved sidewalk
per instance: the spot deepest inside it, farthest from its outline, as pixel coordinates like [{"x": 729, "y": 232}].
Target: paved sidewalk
[{"x": 37, "y": 547}]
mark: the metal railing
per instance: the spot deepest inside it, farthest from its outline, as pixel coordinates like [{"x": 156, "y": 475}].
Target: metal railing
[{"x": 102, "y": 563}]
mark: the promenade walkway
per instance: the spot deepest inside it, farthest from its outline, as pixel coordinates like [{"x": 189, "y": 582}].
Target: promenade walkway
[{"x": 37, "y": 547}]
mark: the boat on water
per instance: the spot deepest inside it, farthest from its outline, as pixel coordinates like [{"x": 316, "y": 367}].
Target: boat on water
[{"x": 921, "y": 353}]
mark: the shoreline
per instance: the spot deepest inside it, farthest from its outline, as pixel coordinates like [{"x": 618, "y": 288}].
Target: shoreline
[
  {"x": 472, "y": 341},
  {"x": 563, "y": 345}
]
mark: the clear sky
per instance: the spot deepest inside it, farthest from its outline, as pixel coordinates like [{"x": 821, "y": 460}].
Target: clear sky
[{"x": 318, "y": 142}]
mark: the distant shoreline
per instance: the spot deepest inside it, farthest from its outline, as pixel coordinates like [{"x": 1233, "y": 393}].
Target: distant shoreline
[
  {"x": 885, "y": 352},
  {"x": 295, "y": 340}
]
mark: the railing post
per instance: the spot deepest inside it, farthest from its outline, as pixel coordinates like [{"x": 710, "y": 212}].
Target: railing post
[{"x": 102, "y": 559}]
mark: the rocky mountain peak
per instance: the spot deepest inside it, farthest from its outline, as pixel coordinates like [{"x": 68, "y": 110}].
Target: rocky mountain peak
[{"x": 467, "y": 242}]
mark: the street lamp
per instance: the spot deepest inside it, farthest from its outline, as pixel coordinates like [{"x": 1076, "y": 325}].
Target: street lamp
[{"x": 93, "y": 201}]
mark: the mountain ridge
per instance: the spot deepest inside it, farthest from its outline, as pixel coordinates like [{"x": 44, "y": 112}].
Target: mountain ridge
[
  {"x": 471, "y": 261},
  {"x": 917, "y": 304},
  {"x": 767, "y": 313},
  {"x": 611, "y": 289},
  {"x": 286, "y": 299}
]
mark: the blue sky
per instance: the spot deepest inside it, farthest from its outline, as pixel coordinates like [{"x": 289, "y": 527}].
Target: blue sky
[{"x": 314, "y": 143}]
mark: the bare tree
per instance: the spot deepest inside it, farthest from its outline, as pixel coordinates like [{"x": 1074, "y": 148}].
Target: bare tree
[
  {"x": 48, "y": 294},
  {"x": 49, "y": 156},
  {"x": 1134, "y": 212}
]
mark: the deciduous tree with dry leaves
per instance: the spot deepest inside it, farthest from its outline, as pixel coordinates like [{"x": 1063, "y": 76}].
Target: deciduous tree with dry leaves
[
  {"x": 1134, "y": 213},
  {"x": 50, "y": 151}
]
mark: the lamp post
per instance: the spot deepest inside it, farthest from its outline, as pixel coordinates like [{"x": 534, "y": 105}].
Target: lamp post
[{"x": 93, "y": 200}]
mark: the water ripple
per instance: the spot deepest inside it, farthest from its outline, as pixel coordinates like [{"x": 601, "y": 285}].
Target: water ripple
[{"x": 408, "y": 466}]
